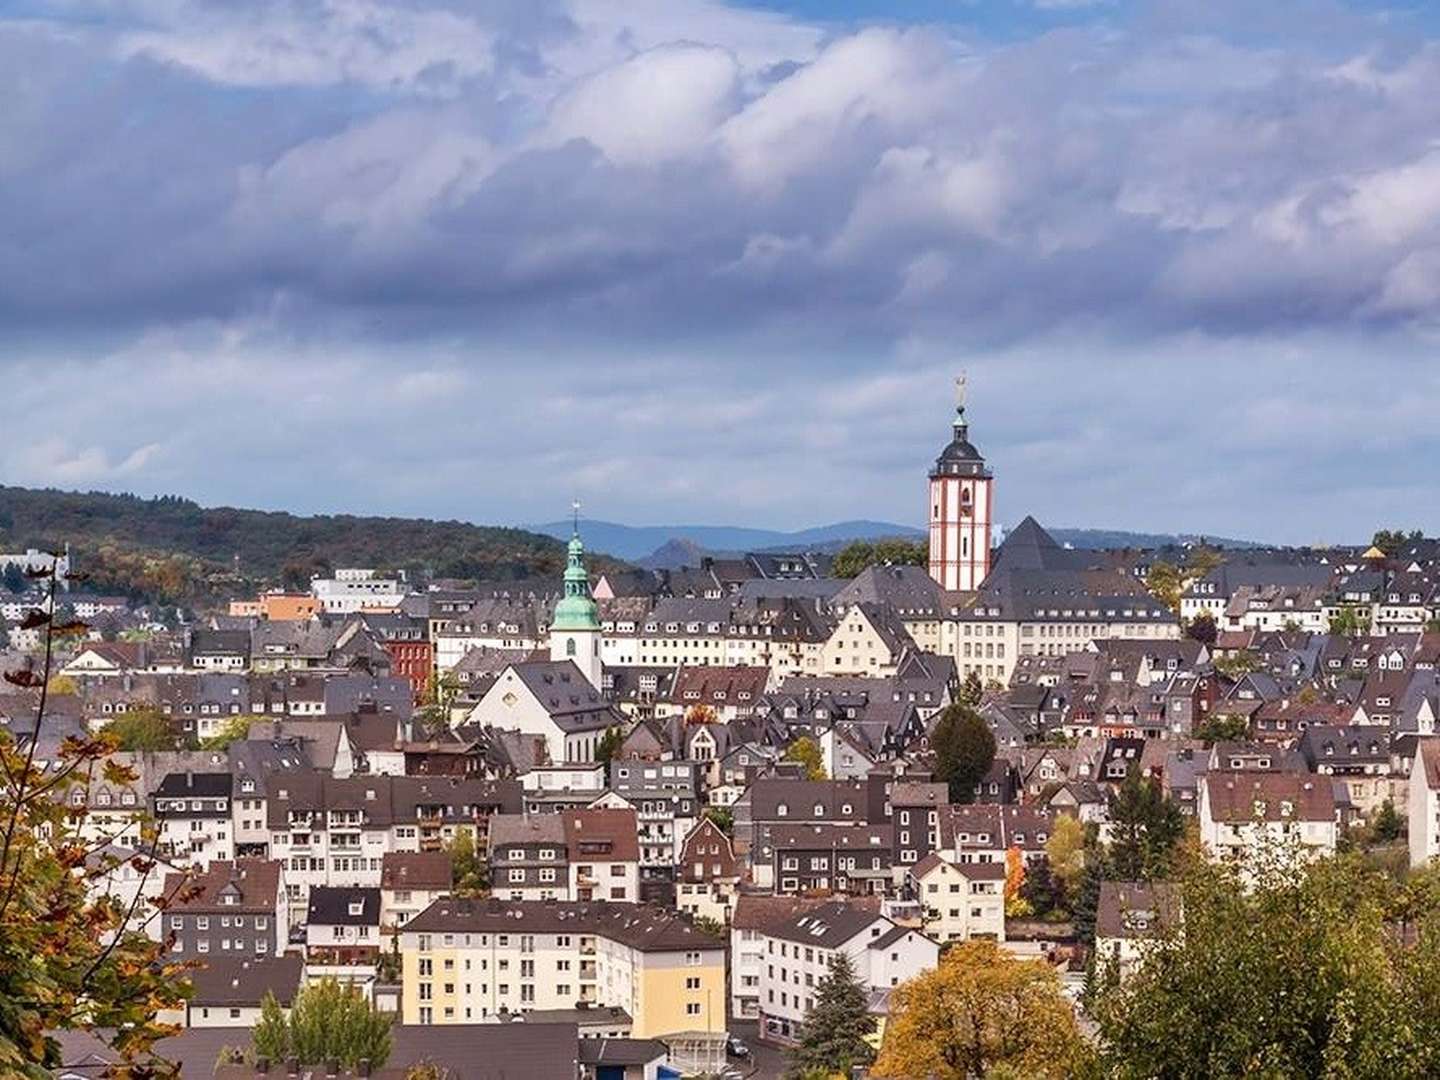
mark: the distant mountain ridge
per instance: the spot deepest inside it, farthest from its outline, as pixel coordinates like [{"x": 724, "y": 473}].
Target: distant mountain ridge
[
  {"x": 663, "y": 545},
  {"x": 640, "y": 541}
]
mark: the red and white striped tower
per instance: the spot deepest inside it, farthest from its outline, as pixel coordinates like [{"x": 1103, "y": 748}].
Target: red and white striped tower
[{"x": 961, "y": 509}]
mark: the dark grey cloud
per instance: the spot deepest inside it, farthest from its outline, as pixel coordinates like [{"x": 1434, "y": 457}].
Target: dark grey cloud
[{"x": 713, "y": 263}]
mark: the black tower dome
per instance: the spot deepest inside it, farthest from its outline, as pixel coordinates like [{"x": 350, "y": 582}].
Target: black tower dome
[{"x": 960, "y": 458}]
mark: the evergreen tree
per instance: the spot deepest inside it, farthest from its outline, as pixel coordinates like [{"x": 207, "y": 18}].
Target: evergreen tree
[
  {"x": 964, "y": 749},
  {"x": 608, "y": 747},
  {"x": 1388, "y": 825},
  {"x": 1087, "y": 896},
  {"x": 1145, "y": 829},
  {"x": 14, "y": 579},
  {"x": 833, "y": 1037},
  {"x": 1041, "y": 888},
  {"x": 271, "y": 1037}
]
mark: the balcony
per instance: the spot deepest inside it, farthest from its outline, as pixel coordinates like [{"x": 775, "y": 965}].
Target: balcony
[{"x": 587, "y": 970}]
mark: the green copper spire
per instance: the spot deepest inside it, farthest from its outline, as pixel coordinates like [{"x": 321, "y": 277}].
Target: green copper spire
[{"x": 576, "y": 609}]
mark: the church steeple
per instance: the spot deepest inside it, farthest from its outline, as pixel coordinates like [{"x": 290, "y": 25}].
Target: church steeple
[
  {"x": 575, "y": 630},
  {"x": 960, "y": 508}
]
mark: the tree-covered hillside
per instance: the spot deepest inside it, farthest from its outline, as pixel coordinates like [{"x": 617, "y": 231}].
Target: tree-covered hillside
[{"x": 174, "y": 550}]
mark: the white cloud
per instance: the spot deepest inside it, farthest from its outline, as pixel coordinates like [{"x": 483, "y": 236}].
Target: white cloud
[{"x": 662, "y": 103}]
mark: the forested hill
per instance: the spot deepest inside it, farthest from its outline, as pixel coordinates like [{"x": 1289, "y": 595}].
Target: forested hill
[{"x": 175, "y": 550}]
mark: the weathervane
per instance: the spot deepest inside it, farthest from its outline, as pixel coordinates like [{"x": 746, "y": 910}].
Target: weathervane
[
  {"x": 960, "y": 393},
  {"x": 575, "y": 510}
]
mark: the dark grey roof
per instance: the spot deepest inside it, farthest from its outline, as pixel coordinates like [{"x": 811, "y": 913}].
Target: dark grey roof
[
  {"x": 331, "y": 905},
  {"x": 185, "y": 785},
  {"x": 619, "y": 1051},
  {"x": 1030, "y": 547},
  {"x": 827, "y": 926},
  {"x": 234, "y": 980}
]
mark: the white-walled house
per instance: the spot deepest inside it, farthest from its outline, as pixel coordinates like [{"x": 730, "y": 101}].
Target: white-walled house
[
  {"x": 960, "y": 901},
  {"x": 1128, "y": 914},
  {"x": 1247, "y": 814},
  {"x": 1425, "y": 801},
  {"x": 229, "y": 990},
  {"x": 798, "y": 950}
]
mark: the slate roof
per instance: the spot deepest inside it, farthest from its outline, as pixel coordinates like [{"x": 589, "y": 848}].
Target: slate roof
[
  {"x": 566, "y": 695},
  {"x": 827, "y": 926},
  {"x": 330, "y": 906},
  {"x": 416, "y": 869},
  {"x": 1134, "y": 909},
  {"x": 639, "y": 926},
  {"x": 257, "y": 882},
  {"x": 227, "y": 981}
]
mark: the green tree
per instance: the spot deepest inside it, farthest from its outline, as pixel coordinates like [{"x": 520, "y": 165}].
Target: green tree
[
  {"x": 468, "y": 870},
  {"x": 1146, "y": 827},
  {"x": 608, "y": 746},
  {"x": 1085, "y": 898},
  {"x": 1388, "y": 825},
  {"x": 723, "y": 816},
  {"x": 1350, "y": 620},
  {"x": 972, "y": 690},
  {"x": 1393, "y": 541},
  {"x": 327, "y": 1021},
  {"x": 1206, "y": 997},
  {"x": 1041, "y": 888},
  {"x": 806, "y": 751},
  {"x": 1222, "y": 727},
  {"x": 964, "y": 749},
  {"x": 143, "y": 727},
  {"x": 13, "y": 579},
  {"x": 73, "y": 956},
  {"x": 862, "y": 554},
  {"x": 235, "y": 729},
  {"x": 1202, "y": 628},
  {"x": 833, "y": 1036}
]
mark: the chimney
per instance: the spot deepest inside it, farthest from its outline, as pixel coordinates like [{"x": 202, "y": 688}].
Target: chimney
[
  {"x": 189, "y": 779},
  {"x": 362, "y": 1067},
  {"x": 262, "y": 1066}
]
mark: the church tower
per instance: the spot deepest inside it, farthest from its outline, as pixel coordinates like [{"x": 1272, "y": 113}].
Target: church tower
[
  {"x": 961, "y": 505},
  {"x": 575, "y": 633}
]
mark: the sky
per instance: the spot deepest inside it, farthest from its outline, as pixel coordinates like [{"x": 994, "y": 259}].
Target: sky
[{"x": 695, "y": 261}]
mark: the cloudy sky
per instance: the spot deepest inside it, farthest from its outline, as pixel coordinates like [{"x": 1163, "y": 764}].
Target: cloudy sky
[{"x": 718, "y": 263}]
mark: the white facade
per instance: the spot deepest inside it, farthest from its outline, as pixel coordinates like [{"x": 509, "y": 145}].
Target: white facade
[
  {"x": 962, "y": 902},
  {"x": 792, "y": 970},
  {"x": 350, "y": 591},
  {"x": 1424, "y": 800}
]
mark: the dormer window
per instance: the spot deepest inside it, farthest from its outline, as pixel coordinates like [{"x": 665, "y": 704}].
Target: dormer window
[{"x": 782, "y": 810}]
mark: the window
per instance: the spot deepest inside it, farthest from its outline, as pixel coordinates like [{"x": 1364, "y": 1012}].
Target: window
[{"x": 692, "y": 1008}]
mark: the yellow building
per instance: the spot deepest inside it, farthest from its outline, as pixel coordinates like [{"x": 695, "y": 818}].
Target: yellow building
[{"x": 465, "y": 961}]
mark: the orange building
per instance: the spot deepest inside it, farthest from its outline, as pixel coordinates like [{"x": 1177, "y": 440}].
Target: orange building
[{"x": 288, "y": 607}]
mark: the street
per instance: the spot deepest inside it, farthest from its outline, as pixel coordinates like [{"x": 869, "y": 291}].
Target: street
[{"x": 766, "y": 1062}]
